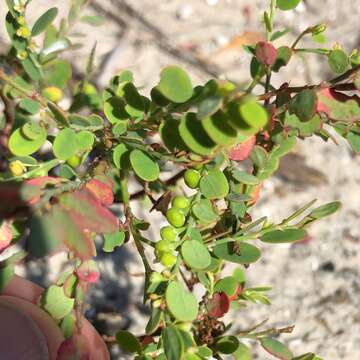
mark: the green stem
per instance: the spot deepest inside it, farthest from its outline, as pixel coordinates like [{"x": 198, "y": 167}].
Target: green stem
[{"x": 313, "y": 51}]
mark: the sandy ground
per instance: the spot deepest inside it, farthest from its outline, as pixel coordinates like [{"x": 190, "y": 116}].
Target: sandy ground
[{"x": 316, "y": 286}]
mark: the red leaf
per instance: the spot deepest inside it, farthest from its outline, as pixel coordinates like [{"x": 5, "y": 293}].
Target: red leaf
[
  {"x": 265, "y": 53},
  {"x": 242, "y": 151},
  {"x": 330, "y": 94},
  {"x": 219, "y": 305},
  {"x": 75, "y": 347},
  {"x": 6, "y": 235},
  {"x": 88, "y": 213},
  {"x": 11, "y": 199},
  {"x": 88, "y": 272},
  {"x": 33, "y": 187},
  {"x": 102, "y": 192},
  {"x": 72, "y": 235}
]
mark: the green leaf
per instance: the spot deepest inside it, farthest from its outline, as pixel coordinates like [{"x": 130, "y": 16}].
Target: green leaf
[
  {"x": 57, "y": 73},
  {"x": 114, "y": 110},
  {"x": 204, "y": 211},
  {"x": 112, "y": 240},
  {"x": 276, "y": 348},
  {"x": 58, "y": 114},
  {"x": 219, "y": 130},
  {"x": 42, "y": 241},
  {"x": 135, "y": 105},
  {"x": 154, "y": 321},
  {"x": 283, "y": 57},
  {"x": 214, "y": 185},
  {"x": 67, "y": 325},
  {"x": 173, "y": 343},
  {"x": 6, "y": 274},
  {"x": 144, "y": 166},
  {"x": 248, "y": 116},
  {"x": 354, "y": 141},
  {"x": 175, "y": 84},
  {"x": 325, "y": 210},
  {"x": 181, "y": 303},
  {"x": 283, "y": 236},
  {"x": 303, "y": 105},
  {"x": 209, "y": 106},
  {"x": 307, "y": 128},
  {"x": 259, "y": 156},
  {"x": 284, "y": 147},
  {"x": 44, "y": 21},
  {"x": 278, "y": 34},
  {"x": 246, "y": 253},
  {"x": 169, "y": 132},
  {"x": 243, "y": 352},
  {"x": 32, "y": 130},
  {"x": 228, "y": 285},
  {"x": 20, "y": 145},
  {"x": 118, "y": 155},
  {"x": 227, "y": 344},
  {"x": 65, "y": 144},
  {"x": 193, "y": 134},
  {"x": 128, "y": 342},
  {"x": 56, "y": 303},
  {"x": 85, "y": 140},
  {"x": 338, "y": 61},
  {"x": 31, "y": 68},
  {"x": 195, "y": 254},
  {"x": 30, "y": 106},
  {"x": 287, "y": 4},
  {"x": 244, "y": 177}
]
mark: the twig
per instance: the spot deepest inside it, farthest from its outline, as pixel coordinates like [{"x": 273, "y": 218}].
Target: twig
[{"x": 168, "y": 182}]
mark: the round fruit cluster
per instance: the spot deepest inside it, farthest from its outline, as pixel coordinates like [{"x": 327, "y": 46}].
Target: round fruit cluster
[{"x": 176, "y": 216}]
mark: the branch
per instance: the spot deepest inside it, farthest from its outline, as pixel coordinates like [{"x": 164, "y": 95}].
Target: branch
[{"x": 168, "y": 182}]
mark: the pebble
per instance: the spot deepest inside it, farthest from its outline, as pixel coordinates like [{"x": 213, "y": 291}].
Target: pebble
[{"x": 184, "y": 12}]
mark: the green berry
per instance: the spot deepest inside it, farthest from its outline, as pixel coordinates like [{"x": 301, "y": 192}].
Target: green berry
[
  {"x": 163, "y": 246},
  {"x": 168, "y": 259},
  {"x": 181, "y": 202},
  {"x": 168, "y": 233},
  {"x": 192, "y": 178},
  {"x": 175, "y": 217}
]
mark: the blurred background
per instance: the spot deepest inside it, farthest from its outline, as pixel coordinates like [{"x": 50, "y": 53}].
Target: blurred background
[{"x": 316, "y": 284}]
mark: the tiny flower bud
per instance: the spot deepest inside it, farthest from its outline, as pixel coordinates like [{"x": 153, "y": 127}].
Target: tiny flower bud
[
  {"x": 21, "y": 55},
  {"x": 318, "y": 29},
  {"x": 23, "y": 32},
  {"x": 265, "y": 53}
]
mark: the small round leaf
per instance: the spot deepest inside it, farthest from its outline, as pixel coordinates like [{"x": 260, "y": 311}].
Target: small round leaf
[
  {"x": 181, "y": 303},
  {"x": 56, "y": 303},
  {"x": 128, "y": 342},
  {"x": 20, "y": 145},
  {"x": 175, "y": 84},
  {"x": 338, "y": 61},
  {"x": 65, "y": 144},
  {"x": 276, "y": 348},
  {"x": 214, "y": 185},
  {"x": 144, "y": 166},
  {"x": 195, "y": 254},
  {"x": 246, "y": 253}
]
